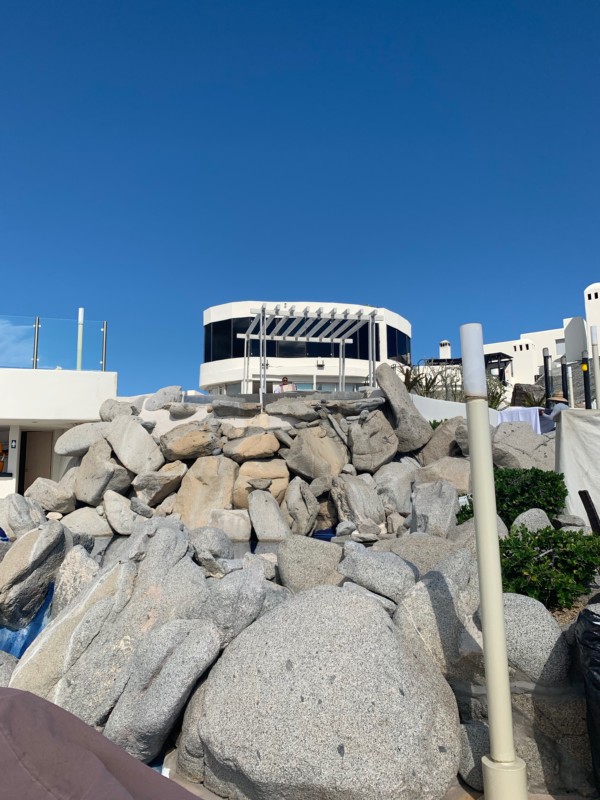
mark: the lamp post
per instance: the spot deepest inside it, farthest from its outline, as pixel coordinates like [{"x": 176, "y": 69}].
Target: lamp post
[
  {"x": 547, "y": 376},
  {"x": 585, "y": 369},
  {"x": 504, "y": 774},
  {"x": 80, "y": 339}
]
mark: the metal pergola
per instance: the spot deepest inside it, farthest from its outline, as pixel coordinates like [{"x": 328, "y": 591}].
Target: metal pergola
[{"x": 283, "y": 324}]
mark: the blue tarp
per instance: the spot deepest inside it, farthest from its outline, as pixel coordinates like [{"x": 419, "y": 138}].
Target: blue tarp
[{"x": 16, "y": 642}]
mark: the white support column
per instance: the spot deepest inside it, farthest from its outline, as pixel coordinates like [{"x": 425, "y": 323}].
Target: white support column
[
  {"x": 80, "y": 339},
  {"x": 504, "y": 774},
  {"x": 596, "y": 363}
]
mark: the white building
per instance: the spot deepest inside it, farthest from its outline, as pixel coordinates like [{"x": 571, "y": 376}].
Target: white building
[
  {"x": 311, "y": 364},
  {"x": 37, "y": 405}
]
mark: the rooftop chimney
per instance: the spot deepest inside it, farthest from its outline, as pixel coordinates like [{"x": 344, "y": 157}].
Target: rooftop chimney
[{"x": 445, "y": 349}]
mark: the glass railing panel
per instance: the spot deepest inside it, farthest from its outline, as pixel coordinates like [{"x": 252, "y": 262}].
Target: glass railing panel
[
  {"x": 57, "y": 344},
  {"x": 16, "y": 341},
  {"x": 92, "y": 344}
]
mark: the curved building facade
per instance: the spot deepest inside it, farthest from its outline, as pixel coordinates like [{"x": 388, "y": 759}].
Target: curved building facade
[{"x": 311, "y": 365}]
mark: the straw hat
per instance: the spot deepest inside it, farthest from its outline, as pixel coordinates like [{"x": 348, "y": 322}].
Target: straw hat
[{"x": 558, "y": 398}]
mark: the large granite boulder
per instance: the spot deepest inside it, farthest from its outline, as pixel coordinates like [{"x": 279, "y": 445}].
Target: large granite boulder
[
  {"x": 164, "y": 396},
  {"x": 76, "y": 572},
  {"x": 516, "y": 445},
  {"x": 357, "y": 500},
  {"x": 435, "y": 506},
  {"x": 192, "y": 440},
  {"x": 315, "y": 454},
  {"x": 19, "y": 514},
  {"x": 412, "y": 429},
  {"x": 118, "y": 512},
  {"x": 383, "y": 573},
  {"x": 98, "y": 474},
  {"x": 133, "y": 445},
  {"x": 301, "y": 507},
  {"x": 464, "y": 535},
  {"x": 372, "y": 441},
  {"x": 305, "y": 563},
  {"x": 293, "y": 407},
  {"x": 329, "y": 682},
  {"x": 52, "y": 496},
  {"x": 26, "y": 572},
  {"x": 274, "y": 470},
  {"x": 153, "y": 487},
  {"x": 267, "y": 518},
  {"x": 116, "y": 408},
  {"x": 89, "y": 656},
  {"x": 77, "y": 440},
  {"x": 87, "y": 521},
  {"x": 394, "y": 485},
  {"x": 442, "y": 443},
  {"x": 207, "y": 485},
  {"x": 259, "y": 445},
  {"x": 420, "y": 550},
  {"x": 534, "y": 520}
]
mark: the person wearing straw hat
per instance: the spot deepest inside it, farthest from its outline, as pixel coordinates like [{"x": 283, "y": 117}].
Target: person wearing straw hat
[{"x": 556, "y": 403}]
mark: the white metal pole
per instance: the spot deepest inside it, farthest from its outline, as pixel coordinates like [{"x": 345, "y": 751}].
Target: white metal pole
[
  {"x": 504, "y": 774},
  {"x": 80, "y": 339},
  {"x": 570, "y": 382},
  {"x": 596, "y": 363}
]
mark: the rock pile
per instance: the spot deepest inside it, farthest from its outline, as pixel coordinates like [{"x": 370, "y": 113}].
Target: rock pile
[{"x": 295, "y": 669}]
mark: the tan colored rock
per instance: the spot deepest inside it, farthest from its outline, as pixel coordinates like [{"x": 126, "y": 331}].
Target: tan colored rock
[
  {"x": 207, "y": 485},
  {"x": 153, "y": 487},
  {"x": 314, "y": 454},
  {"x": 262, "y": 445},
  {"x": 456, "y": 471},
  {"x": 274, "y": 470},
  {"x": 192, "y": 440}
]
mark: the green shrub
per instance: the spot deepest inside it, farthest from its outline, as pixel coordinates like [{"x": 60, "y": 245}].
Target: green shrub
[
  {"x": 435, "y": 423},
  {"x": 518, "y": 490},
  {"x": 553, "y": 566}
]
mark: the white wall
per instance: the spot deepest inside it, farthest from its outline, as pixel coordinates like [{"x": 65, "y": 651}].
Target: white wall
[
  {"x": 432, "y": 409},
  {"x": 53, "y": 397}
]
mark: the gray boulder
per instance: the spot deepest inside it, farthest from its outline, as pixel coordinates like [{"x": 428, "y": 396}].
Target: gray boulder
[
  {"x": 181, "y": 410},
  {"x": 118, "y": 513},
  {"x": 52, "y": 496},
  {"x": 164, "y": 396},
  {"x": 383, "y": 573},
  {"x": 464, "y": 535},
  {"x": 267, "y": 518},
  {"x": 87, "y": 521},
  {"x": 568, "y": 521},
  {"x": 412, "y": 429},
  {"x": 516, "y": 445},
  {"x": 536, "y": 646},
  {"x": 305, "y": 664},
  {"x": 394, "y": 485},
  {"x": 388, "y": 605},
  {"x": 236, "y": 601},
  {"x": 134, "y": 446},
  {"x": 534, "y": 520},
  {"x": 305, "y": 563},
  {"x": 301, "y": 506},
  {"x": 442, "y": 443},
  {"x": 352, "y": 408},
  {"x": 153, "y": 487},
  {"x": 78, "y": 440},
  {"x": 372, "y": 441},
  {"x": 314, "y": 454},
  {"x": 165, "y": 668},
  {"x": 19, "y": 514},
  {"x": 76, "y": 572},
  {"x": 422, "y": 551},
  {"x": 435, "y": 506},
  {"x": 230, "y": 407},
  {"x": 94, "y": 641},
  {"x": 211, "y": 540},
  {"x": 95, "y": 474},
  {"x": 26, "y": 572},
  {"x": 116, "y": 408},
  {"x": 7, "y": 667},
  {"x": 356, "y": 500},
  {"x": 191, "y": 440},
  {"x": 291, "y": 407}
]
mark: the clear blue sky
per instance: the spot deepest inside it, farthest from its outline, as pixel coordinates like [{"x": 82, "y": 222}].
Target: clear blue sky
[{"x": 439, "y": 158}]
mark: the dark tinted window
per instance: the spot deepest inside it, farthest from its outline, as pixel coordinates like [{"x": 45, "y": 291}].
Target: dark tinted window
[
  {"x": 318, "y": 349},
  {"x": 207, "y": 343},
  {"x": 221, "y": 340},
  {"x": 398, "y": 345},
  {"x": 240, "y": 325},
  {"x": 291, "y": 349}
]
